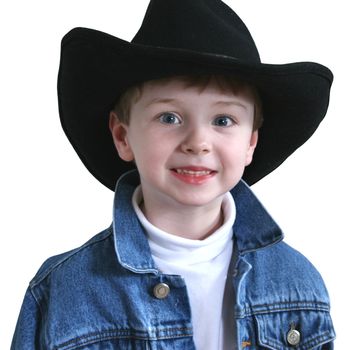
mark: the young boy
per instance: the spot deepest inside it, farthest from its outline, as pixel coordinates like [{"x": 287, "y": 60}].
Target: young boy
[{"x": 192, "y": 259}]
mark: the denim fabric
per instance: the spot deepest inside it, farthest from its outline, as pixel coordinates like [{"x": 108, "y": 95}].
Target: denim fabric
[{"x": 100, "y": 296}]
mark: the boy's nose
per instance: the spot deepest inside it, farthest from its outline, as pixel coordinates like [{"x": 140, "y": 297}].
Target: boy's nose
[{"x": 196, "y": 144}]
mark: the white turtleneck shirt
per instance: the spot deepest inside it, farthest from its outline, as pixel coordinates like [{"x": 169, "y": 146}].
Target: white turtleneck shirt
[{"x": 204, "y": 266}]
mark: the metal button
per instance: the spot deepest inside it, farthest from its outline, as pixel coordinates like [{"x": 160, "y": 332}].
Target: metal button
[
  {"x": 293, "y": 336},
  {"x": 161, "y": 290}
]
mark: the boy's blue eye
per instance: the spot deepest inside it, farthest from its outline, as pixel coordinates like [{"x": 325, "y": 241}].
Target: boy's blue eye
[
  {"x": 223, "y": 120},
  {"x": 169, "y": 118}
]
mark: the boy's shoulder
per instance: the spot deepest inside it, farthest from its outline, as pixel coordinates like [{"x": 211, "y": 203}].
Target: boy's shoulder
[
  {"x": 286, "y": 272},
  {"x": 288, "y": 259},
  {"x": 76, "y": 257}
]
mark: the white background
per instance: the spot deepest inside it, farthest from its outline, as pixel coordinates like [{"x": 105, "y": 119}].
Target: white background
[{"x": 50, "y": 203}]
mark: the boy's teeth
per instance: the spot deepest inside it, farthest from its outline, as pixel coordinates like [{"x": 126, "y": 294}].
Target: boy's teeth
[{"x": 195, "y": 173}]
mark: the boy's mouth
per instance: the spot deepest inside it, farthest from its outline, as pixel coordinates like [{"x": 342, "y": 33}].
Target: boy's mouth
[
  {"x": 193, "y": 172},
  {"x": 193, "y": 175}
]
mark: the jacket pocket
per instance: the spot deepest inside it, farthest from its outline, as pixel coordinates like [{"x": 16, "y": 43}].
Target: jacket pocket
[{"x": 298, "y": 330}]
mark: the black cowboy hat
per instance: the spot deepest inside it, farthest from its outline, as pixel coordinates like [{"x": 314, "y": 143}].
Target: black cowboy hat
[{"x": 181, "y": 37}]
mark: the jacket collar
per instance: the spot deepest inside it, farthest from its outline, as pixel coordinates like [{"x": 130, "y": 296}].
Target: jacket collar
[{"x": 253, "y": 229}]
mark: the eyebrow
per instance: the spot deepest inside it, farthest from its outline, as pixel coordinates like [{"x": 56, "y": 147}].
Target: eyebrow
[
  {"x": 229, "y": 103},
  {"x": 160, "y": 100},
  {"x": 170, "y": 100}
]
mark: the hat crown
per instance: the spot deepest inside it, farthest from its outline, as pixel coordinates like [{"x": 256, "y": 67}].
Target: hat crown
[{"x": 205, "y": 26}]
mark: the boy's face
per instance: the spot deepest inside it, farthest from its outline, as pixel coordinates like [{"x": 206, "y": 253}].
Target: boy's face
[{"x": 190, "y": 144}]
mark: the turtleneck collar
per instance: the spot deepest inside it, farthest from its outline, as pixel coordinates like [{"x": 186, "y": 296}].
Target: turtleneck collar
[{"x": 179, "y": 250}]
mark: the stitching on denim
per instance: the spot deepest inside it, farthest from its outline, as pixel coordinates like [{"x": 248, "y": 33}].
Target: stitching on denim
[
  {"x": 283, "y": 306},
  {"x": 38, "y": 279},
  {"x": 36, "y": 301},
  {"x": 315, "y": 341},
  {"x": 309, "y": 343},
  {"x": 272, "y": 342},
  {"x": 140, "y": 269},
  {"x": 118, "y": 334},
  {"x": 265, "y": 339}
]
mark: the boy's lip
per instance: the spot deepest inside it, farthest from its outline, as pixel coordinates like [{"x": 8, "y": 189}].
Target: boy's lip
[
  {"x": 193, "y": 170},
  {"x": 194, "y": 175}
]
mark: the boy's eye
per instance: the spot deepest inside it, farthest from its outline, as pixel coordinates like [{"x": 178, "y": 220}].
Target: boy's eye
[
  {"x": 169, "y": 118},
  {"x": 223, "y": 120}
]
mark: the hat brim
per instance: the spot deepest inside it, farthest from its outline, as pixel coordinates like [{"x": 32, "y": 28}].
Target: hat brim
[{"x": 96, "y": 67}]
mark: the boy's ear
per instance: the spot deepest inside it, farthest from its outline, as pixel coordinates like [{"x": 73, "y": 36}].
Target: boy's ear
[
  {"x": 119, "y": 133},
  {"x": 252, "y": 144}
]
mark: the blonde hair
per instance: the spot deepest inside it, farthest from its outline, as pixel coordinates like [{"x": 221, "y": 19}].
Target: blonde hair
[{"x": 134, "y": 93}]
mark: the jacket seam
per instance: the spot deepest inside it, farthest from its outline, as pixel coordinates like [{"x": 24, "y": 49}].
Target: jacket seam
[
  {"x": 316, "y": 341},
  {"x": 36, "y": 302},
  {"x": 117, "y": 334},
  {"x": 38, "y": 279},
  {"x": 282, "y": 307}
]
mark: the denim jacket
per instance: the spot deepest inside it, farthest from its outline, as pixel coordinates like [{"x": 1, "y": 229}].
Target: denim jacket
[{"x": 105, "y": 294}]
